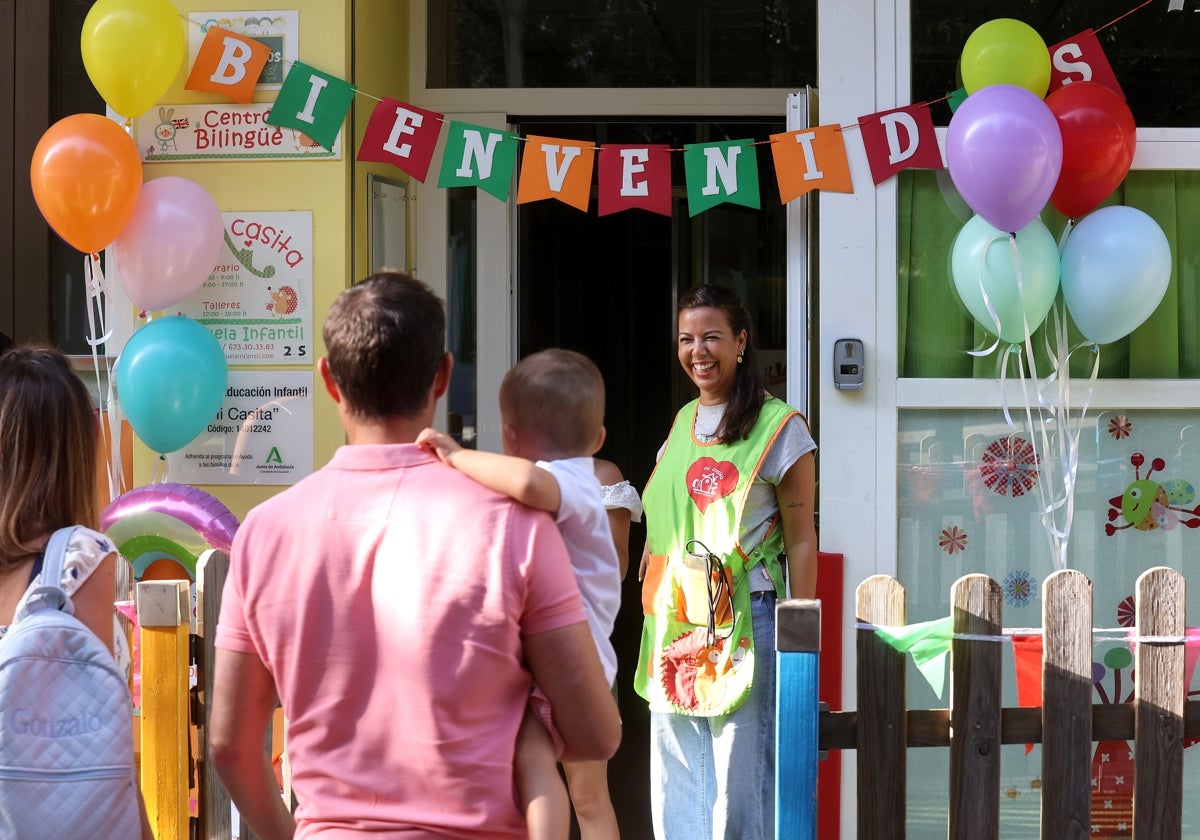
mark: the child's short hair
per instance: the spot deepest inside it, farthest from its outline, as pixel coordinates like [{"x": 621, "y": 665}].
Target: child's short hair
[{"x": 556, "y": 398}]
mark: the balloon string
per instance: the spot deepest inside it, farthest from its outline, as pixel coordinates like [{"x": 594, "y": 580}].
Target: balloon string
[
  {"x": 96, "y": 292},
  {"x": 987, "y": 302}
]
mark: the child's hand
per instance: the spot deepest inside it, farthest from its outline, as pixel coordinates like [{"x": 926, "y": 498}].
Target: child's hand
[{"x": 439, "y": 443}]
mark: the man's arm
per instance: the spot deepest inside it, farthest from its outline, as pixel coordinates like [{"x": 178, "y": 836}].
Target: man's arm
[
  {"x": 567, "y": 668},
  {"x": 242, "y": 705},
  {"x": 516, "y": 478}
]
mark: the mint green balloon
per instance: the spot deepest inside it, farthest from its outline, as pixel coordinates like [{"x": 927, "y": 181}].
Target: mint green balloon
[
  {"x": 984, "y": 271},
  {"x": 171, "y": 379}
]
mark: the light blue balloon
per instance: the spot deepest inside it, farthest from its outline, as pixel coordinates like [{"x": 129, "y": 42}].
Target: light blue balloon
[
  {"x": 1115, "y": 270},
  {"x": 171, "y": 380},
  {"x": 982, "y": 263}
]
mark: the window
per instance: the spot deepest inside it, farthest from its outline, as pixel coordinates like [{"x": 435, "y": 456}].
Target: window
[{"x": 621, "y": 43}]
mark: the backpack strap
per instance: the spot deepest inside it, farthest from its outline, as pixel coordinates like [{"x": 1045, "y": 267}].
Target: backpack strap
[{"x": 50, "y": 594}]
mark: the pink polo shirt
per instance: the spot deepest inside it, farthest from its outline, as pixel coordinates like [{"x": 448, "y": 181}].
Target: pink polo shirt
[{"x": 387, "y": 594}]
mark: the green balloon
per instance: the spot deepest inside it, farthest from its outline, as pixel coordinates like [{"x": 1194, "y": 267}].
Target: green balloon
[{"x": 1006, "y": 52}]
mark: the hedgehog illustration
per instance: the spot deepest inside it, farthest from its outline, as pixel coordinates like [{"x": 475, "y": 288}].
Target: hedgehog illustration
[{"x": 283, "y": 302}]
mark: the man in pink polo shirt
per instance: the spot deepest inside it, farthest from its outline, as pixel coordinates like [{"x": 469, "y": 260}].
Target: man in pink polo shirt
[{"x": 398, "y": 611}]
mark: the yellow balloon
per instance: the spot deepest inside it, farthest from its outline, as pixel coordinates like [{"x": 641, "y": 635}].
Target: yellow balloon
[
  {"x": 132, "y": 51},
  {"x": 1006, "y": 52}
]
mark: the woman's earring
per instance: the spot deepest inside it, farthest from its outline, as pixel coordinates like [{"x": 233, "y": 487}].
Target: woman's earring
[{"x": 739, "y": 357}]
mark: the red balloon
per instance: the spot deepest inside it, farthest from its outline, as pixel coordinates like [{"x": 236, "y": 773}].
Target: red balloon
[{"x": 1099, "y": 138}]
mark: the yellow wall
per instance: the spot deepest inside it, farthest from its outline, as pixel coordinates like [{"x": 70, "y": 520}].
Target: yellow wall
[{"x": 319, "y": 186}]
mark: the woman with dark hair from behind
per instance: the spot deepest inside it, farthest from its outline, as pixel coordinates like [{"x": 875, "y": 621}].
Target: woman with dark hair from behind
[
  {"x": 729, "y": 529},
  {"x": 48, "y": 462}
]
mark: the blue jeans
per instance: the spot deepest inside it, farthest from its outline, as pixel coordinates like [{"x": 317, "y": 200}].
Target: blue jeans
[{"x": 715, "y": 777}]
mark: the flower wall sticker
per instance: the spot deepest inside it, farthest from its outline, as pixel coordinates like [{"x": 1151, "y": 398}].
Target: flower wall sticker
[
  {"x": 1120, "y": 427},
  {"x": 1009, "y": 466},
  {"x": 953, "y": 540},
  {"x": 1019, "y": 588}
]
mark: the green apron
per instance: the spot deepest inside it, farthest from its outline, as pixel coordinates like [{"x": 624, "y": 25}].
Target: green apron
[{"x": 697, "y": 650}]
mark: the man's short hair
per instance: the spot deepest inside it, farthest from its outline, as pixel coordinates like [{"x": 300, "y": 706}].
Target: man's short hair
[
  {"x": 556, "y": 398},
  {"x": 384, "y": 340}
]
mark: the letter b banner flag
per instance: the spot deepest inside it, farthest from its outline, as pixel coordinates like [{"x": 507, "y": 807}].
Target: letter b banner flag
[{"x": 229, "y": 64}]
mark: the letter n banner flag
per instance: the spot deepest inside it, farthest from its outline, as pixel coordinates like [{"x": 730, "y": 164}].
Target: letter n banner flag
[
  {"x": 720, "y": 172},
  {"x": 900, "y": 139},
  {"x": 478, "y": 156}
]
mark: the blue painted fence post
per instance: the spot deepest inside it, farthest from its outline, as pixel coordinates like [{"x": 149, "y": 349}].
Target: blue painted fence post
[{"x": 798, "y": 645}]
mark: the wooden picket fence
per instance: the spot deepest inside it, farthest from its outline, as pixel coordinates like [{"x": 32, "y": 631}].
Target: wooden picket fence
[
  {"x": 1067, "y": 724},
  {"x": 173, "y": 716}
]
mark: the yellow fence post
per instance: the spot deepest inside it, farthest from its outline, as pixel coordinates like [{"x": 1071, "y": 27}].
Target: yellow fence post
[{"x": 164, "y": 614}]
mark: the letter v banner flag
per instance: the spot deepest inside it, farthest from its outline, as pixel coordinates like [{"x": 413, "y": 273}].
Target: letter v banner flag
[
  {"x": 402, "y": 135},
  {"x": 478, "y": 156},
  {"x": 229, "y": 64},
  {"x": 717, "y": 173},
  {"x": 900, "y": 139},
  {"x": 555, "y": 168},
  {"x": 312, "y": 102}
]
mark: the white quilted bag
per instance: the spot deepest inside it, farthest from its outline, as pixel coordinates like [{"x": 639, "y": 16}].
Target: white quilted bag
[{"x": 66, "y": 740}]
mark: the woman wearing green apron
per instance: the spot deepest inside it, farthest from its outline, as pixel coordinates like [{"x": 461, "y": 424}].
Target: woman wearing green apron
[{"x": 729, "y": 529}]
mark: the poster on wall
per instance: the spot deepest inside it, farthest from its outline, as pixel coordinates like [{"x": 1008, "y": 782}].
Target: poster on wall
[
  {"x": 224, "y": 131},
  {"x": 279, "y": 29},
  {"x": 262, "y": 434},
  {"x": 258, "y": 300}
]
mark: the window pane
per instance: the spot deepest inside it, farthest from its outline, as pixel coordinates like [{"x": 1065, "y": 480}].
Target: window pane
[
  {"x": 1152, "y": 51},
  {"x": 622, "y": 43},
  {"x": 461, "y": 312},
  {"x": 935, "y": 329}
]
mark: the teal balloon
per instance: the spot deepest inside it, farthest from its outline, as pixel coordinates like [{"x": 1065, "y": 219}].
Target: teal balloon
[
  {"x": 171, "y": 380},
  {"x": 984, "y": 271},
  {"x": 1116, "y": 267}
]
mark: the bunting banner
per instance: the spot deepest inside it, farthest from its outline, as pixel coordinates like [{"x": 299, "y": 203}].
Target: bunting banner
[
  {"x": 312, "y": 102},
  {"x": 809, "y": 159},
  {"x": 553, "y": 168},
  {"x": 928, "y": 642},
  {"x": 477, "y": 156},
  {"x": 635, "y": 176},
  {"x": 1082, "y": 59},
  {"x": 402, "y": 135},
  {"x": 903, "y": 138},
  {"x": 717, "y": 173},
  {"x": 1027, "y": 662},
  {"x": 228, "y": 64}
]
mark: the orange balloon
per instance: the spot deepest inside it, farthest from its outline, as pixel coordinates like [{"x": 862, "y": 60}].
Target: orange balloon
[{"x": 86, "y": 175}]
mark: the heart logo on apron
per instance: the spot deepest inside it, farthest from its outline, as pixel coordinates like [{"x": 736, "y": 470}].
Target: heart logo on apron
[{"x": 709, "y": 480}]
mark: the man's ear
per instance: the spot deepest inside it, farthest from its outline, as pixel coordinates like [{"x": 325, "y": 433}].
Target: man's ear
[
  {"x": 441, "y": 379},
  {"x": 327, "y": 377}
]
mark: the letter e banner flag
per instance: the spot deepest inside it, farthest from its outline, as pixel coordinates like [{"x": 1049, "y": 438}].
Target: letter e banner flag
[
  {"x": 555, "y": 168},
  {"x": 478, "y": 156},
  {"x": 402, "y": 135},
  {"x": 720, "y": 172},
  {"x": 312, "y": 102},
  {"x": 635, "y": 176},
  {"x": 229, "y": 64},
  {"x": 900, "y": 139},
  {"x": 811, "y": 159}
]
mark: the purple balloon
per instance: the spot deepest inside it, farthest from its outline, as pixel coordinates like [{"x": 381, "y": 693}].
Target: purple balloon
[
  {"x": 201, "y": 511},
  {"x": 1004, "y": 152}
]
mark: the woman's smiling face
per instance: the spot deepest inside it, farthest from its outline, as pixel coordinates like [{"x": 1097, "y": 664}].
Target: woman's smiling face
[{"x": 708, "y": 351}]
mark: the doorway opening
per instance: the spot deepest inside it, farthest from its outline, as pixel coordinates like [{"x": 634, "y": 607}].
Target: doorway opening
[{"x": 606, "y": 286}]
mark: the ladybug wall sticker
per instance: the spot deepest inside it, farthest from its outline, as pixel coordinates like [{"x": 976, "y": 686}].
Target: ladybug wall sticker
[{"x": 1148, "y": 504}]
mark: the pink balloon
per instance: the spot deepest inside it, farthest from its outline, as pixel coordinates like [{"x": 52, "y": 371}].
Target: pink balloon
[
  {"x": 170, "y": 245},
  {"x": 189, "y": 505},
  {"x": 1004, "y": 151}
]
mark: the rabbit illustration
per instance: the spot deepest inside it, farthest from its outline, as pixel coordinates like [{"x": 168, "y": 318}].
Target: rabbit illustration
[{"x": 165, "y": 130}]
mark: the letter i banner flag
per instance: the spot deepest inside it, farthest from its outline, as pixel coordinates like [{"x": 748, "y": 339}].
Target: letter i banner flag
[
  {"x": 635, "y": 176},
  {"x": 229, "y": 64},
  {"x": 402, "y": 135},
  {"x": 554, "y": 168},
  {"x": 810, "y": 159},
  {"x": 717, "y": 173},
  {"x": 900, "y": 139},
  {"x": 312, "y": 102},
  {"x": 478, "y": 156}
]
